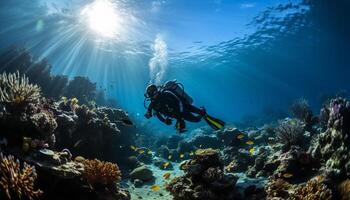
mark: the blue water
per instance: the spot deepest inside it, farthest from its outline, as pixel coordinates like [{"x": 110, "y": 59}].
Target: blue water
[{"x": 236, "y": 58}]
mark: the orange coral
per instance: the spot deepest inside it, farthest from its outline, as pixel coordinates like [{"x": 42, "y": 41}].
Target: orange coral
[
  {"x": 344, "y": 189},
  {"x": 278, "y": 188},
  {"x": 17, "y": 180},
  {"x": 314, "y": 189},
  {"x": 101, "y": 172}
]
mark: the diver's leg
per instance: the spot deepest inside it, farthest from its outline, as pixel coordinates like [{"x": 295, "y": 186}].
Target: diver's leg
[
  {"x": 188, "y": 116},
  {"x": 180, "y": 125},
  {"x": 193, "y": 109}
]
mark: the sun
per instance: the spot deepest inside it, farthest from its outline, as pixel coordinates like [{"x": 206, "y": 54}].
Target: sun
[{"x": 101, "y": 16}]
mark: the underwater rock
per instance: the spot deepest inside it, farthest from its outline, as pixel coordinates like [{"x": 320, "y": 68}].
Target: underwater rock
[
  {"x": 185, "y": 146},
  {"x": 173, "y": 141},
  {"x": 133, "y": 162},
  {"x": 163, "y": 151},
  {"x": 205, "y": 141},
  {"x": 143, "y": 173},
  {"x": 204, "y": 178},
  {"x": 138, "y": 183},
  {"x": 228, "y": 135}
]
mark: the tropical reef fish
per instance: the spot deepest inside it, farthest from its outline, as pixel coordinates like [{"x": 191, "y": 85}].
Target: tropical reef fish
[
  {"x": 249, "y": 142},
  {"x": 155, "y": 188},
  {"x": 169, "y": 157},
  {"x": 287, "y": 175},
  {"x": 252, "y": 151},
  {"x": 182, "y": 155},
  {"x": 166, "y": 175},
  {"x": 240, "y": 136},
  {"x": 165, "y": 165}
]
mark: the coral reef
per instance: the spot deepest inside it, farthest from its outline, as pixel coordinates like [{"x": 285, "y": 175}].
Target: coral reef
[
  {"x": 314, "y": 189},
  {"x": 16, "y": 181},
  {"x": 101, "y": 172},
  {"x": 204, "y": 178},
  {"x": 15, "y": 90},
  {"x": 278, "y": 189},
  {"x": 332, "y": 146},
  {"x": 344, "y": 190}
]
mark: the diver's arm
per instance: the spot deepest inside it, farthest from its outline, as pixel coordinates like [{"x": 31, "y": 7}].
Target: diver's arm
[
  {"x": 160, "y": 117},
  {"x": 149, "y": 114}
]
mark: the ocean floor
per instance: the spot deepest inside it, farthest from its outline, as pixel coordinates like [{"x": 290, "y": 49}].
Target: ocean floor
[{"x": 145, "y": 191}]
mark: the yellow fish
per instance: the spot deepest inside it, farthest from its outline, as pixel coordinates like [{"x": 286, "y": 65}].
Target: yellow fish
[
  {"x": 182, "y": 155},
  {"x": 166, "y": 175},
  {"x": 191, "y": 154},
  {"x": 240, "y": 136},
  {"x": 141, "y": 151},
  {"x": 249, "y": 142},
  {"x": 169, "y": 157},
  {"x": 252, "y": 151},
  {"x": 165, "y": 165},
  {"x": 155, "y": 188},
  {"x": 287, "y": 175},
  {"x": 133, "y": 147},
  {"x": 149, "y": 152}
]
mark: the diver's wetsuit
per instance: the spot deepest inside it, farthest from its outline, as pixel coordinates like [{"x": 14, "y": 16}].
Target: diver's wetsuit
[{"x": 168, "y": 104}]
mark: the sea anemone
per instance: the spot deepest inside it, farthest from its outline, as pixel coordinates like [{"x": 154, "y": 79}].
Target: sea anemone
[
  {"x": 18, "y": 181},
  {"x": 16, "y": 90},
  {"x": 290, "y": 132},
  {"x": 101, "y": 172}
]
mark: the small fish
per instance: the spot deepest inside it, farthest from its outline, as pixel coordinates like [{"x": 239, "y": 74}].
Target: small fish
[
  {"x": 252, "y": 151},
  {"x": 133, "y": 147},
  {"x": 77, "y": 143},
  {"x": 287, "y": 175},
  {"x": 149, "y": 152},
  {"x": 240, "y": 136},
  {"x": 169, "y": 157},
  {"x": 155, "y": 188},
  {"x": 191, "y": 154},
  {"x": 165, "y": 165},
  {"x": 249, "y": 142},
  {"x": 141, "y": 151},
  {"x": 182, "y": 155},
  {"x": 166, "y": 175},
  {"x": 200, "y": 146}
]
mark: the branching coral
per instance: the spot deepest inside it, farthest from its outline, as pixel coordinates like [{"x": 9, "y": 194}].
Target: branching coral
[
  {"x": 278, "y": 188},
  {"x": 17, "y": 180},
  {"x": 314, "y": 189},
  {"x": 101, "y": 172},
  {"x": 290, "y": 132},
  {"x": 16, "y": 89},
  {"x": 344, "y": 189}
]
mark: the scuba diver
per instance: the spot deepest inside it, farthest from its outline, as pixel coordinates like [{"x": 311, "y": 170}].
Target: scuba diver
[{"x": 170, "y": 101}]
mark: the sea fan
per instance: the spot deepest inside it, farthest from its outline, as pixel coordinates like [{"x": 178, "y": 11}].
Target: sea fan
[
  {"x": 290, "y": 132},
  {"x": 301, "y": 109},
  {"x": 18, "y": 181},
  {"x": 16, "y": 89}
]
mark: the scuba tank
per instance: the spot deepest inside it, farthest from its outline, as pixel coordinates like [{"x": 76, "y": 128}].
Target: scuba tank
[{"x": 178, "y": 89}]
